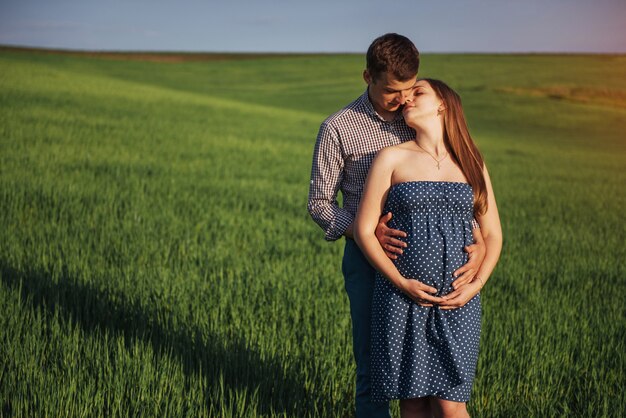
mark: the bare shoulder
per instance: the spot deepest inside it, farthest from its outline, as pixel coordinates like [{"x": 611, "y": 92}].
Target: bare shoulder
[
  {"x": 392, "y": 152},
  {"x": 392, "y": 156},
  {"x": 385, "y": 159}
]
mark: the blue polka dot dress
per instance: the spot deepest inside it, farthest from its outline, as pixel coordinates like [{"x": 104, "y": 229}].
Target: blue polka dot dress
[{"x": 425, "y": 351}]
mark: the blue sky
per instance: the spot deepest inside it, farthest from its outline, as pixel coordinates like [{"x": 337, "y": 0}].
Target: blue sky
[{"x": 316, "y": 25}]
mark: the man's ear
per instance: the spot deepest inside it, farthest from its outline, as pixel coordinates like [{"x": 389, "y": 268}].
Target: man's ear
[{"x": 367, "y": 77}]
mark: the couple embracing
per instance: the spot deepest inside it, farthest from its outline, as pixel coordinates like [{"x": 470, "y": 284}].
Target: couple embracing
[{"x": 422, "y": 234}]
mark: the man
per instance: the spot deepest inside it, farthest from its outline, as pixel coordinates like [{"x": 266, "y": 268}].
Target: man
[{"x": 346, "y": 145}]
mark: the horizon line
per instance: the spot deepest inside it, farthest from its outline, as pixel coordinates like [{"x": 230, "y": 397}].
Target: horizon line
[{"x": 197, "y": 52}]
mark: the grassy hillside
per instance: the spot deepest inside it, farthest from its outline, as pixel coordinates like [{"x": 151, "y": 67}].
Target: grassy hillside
[{"x": 157, "y": 258}]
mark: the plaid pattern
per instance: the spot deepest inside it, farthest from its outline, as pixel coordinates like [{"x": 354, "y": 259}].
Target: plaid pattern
[
  {"x": 345, "y": 148},
  {"x": 346, "y": 145}
]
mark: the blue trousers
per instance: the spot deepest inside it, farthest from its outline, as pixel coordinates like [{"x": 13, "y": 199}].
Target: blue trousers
[{"x": 359, "y": 281}]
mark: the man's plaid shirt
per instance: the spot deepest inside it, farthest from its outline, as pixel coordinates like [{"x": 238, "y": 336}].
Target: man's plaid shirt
[{"x": 346, "y": 145}]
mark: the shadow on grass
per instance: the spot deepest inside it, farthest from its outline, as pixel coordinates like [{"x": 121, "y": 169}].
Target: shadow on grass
[{"x": 233, "y": 362}]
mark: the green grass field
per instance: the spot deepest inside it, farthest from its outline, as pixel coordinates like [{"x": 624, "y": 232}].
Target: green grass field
[{"x": 157, "y": 258}]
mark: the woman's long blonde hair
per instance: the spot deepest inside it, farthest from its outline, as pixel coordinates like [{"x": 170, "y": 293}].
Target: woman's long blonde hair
[{"x": 460, "y": 144}]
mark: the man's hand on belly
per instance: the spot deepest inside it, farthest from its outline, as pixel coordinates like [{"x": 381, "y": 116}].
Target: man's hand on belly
[
  {"x": 476, "y": 254},
  {"x": 387, "y": 237}
]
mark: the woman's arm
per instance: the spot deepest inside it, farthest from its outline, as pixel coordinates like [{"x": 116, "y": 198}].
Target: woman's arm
[
  {"x": 372, "y": 203},
  {"x": 492, "y": 234}
]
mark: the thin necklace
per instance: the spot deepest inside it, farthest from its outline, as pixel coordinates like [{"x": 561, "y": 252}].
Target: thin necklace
[{"x": 432, "y": 156}]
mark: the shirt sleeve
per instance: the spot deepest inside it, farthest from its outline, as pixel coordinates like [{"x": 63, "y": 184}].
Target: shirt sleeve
[
  {"x": 326, "y": 177},
  {"x": 475, "y": 224}
]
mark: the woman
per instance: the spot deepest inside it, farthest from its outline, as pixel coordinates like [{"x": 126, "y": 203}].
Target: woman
[{"x": 426, "y": 328}]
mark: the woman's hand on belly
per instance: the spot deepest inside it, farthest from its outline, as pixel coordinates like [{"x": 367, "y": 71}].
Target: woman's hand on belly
[
  {"x": 459, "y": 297},
  {"x": 421, "y": 293}
]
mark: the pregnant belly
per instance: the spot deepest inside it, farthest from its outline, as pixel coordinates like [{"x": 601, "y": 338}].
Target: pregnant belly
[{"x": 432, "y": 259}]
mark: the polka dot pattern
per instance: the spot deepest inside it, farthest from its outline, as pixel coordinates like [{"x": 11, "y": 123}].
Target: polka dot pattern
[{"x": 425, "y": 351}]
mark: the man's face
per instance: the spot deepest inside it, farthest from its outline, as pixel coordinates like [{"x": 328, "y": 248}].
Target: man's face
[{"x": 386, "y": 93}]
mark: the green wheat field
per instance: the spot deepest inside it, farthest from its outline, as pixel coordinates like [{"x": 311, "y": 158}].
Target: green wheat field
[{"x": 157, "y": 258}]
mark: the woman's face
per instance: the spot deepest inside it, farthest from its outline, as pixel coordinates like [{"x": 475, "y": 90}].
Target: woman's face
[{"x": 423, "y": 104}]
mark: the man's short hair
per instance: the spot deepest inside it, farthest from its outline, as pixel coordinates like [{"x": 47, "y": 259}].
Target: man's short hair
[{"x": 394, "y": 54}]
